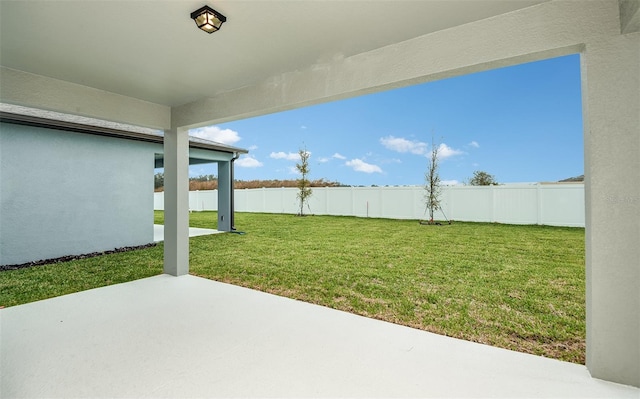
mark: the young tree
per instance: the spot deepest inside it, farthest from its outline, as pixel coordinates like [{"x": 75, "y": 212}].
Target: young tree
[
  {"x": 304, "y": 185},
  {"x": 432, "y": 183},
  {"x": 481, "y": 178}
]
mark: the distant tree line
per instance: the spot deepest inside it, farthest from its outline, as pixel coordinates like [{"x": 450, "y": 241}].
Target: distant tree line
[
  {"x": 158, "y": 181},
  {"x": 210, "y": 182},
  {"x": 204, "y": 178}
]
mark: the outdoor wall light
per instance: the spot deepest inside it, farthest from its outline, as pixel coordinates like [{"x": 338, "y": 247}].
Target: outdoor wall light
[{"x": 208, "y": 19}]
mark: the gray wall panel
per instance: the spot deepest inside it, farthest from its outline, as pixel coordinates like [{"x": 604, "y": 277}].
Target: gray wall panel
[{"x": 65, "y": 193}]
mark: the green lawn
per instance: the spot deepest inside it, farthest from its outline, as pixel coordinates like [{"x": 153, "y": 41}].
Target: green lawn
[{"x": 516, "y": 287}]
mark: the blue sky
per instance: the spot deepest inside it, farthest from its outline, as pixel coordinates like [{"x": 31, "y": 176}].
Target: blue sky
[{"x": 521, "y": 124}]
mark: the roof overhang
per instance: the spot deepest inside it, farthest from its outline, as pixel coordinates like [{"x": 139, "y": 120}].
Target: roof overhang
[
  {"x": 112, "y": 130},
  {"x": 163, "y": 72}
]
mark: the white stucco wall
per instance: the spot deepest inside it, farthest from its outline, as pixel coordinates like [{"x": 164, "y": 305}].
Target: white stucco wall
[
  {"x": 65, "y": 193},
  {"x": 611, "y": 100}
]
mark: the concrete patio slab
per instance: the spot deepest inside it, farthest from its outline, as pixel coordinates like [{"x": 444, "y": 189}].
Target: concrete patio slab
[
  {"x": 158, "y": 232},
  {"x": 190, "y": 337}
]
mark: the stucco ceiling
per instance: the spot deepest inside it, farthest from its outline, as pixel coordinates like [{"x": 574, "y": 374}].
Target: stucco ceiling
[{"x": 152, "y": 50}]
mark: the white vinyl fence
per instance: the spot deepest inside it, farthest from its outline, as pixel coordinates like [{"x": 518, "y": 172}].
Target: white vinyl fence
[{"x": 548, "y": 204}]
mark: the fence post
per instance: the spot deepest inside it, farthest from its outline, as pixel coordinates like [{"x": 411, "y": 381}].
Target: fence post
[
  {"x": 353, "y": 204},
  {"x": 493, "y": 203},
  {"x": 538, "y": 203}
]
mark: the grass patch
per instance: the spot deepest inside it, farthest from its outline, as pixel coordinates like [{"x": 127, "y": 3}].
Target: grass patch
[
  {"x": 48, "y": 281},
  {"x": 516, "y": 287}
]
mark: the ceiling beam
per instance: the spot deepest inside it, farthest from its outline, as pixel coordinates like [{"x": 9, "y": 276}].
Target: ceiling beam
[
  {"x": 41, "y": 92},
  {"x": 534, "y": 33}
]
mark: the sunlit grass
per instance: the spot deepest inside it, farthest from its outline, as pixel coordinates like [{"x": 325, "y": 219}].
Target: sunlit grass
[
  {"x": 516, "y": 287},
  {"x": 47, "y": 281}
]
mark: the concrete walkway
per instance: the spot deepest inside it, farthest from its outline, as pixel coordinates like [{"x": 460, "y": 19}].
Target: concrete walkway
[
  {"x": 190, "y": 337},
  {"x": 158, "y": 232}
]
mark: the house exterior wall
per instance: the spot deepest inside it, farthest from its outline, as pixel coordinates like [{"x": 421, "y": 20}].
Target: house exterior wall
[{"x": 64, "y": 193}]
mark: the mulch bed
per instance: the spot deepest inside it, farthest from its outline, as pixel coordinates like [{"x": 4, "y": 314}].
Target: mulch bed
[{"x": 69, "y": 258}]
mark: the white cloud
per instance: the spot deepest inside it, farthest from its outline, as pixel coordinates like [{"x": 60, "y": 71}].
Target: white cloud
[
  {"x": 253, "y": 147},
  {"x": 444, "y": 151},
  {"x": 474, "y": 144},
  {"x": 248, "y": 162},
  {"x": 400, "y": 144},
  {"x": 360, "y": 166},
  {"x": 214, "y": 133},
  {"x": 328, "y": 159},
  {"x": 289, "y": 156}
]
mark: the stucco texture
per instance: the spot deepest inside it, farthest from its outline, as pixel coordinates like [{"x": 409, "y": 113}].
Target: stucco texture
[{"x": 65, "y": 193}]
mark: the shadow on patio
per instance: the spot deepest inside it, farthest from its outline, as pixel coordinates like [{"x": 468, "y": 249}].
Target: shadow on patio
[
  {"x": 187, "y": 337},
  {"x": 158, "y": 232}
]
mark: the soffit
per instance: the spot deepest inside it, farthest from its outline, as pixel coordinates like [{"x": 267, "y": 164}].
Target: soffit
[
  {"x": 153, "y": 51},
  {"x": 54, "y": 120}
]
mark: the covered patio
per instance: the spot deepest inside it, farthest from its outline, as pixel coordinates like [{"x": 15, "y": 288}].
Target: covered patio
[
  {"x": 146, "y": 64},
  {"x": 190, "y": 337}
]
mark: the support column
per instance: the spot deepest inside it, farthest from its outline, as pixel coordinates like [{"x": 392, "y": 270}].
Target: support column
[
  {"x": 225, "y": 186},
  {"x": 611, "y": 102},
  {"x": 176, "y": 202}
]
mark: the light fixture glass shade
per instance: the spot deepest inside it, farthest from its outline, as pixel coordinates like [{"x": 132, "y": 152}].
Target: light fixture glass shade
[{"x": 208, "y": 19}]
